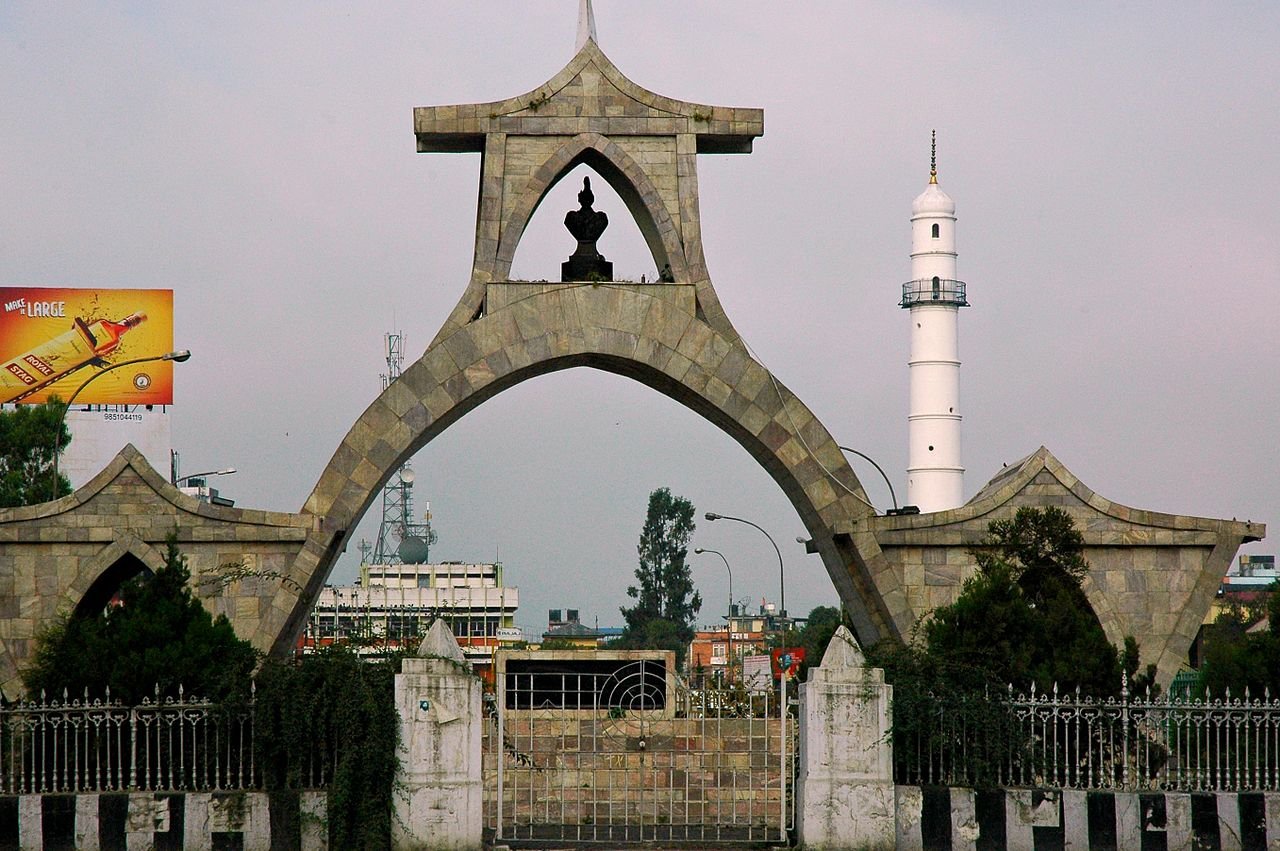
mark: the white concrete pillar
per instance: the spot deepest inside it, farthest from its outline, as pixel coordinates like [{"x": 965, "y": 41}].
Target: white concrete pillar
[
  {"x": 87, "y": 823},
  {"x": 196, "y": 835},
  {"x": 31, "y": 822},
  {"x": 441, "y": 724},
  {"x": 148, "y": 815},
  {"x": 313, "y": 815},
  {"x": 844, "y": 791}
]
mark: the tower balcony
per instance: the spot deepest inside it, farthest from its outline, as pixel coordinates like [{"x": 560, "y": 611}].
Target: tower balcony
[{"x": 933, "y": 291}]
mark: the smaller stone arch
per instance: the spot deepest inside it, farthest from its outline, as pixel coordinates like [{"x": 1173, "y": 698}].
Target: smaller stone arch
[
  {"x": 101, "y": 576},
  {"x": 620, "y": 170}
]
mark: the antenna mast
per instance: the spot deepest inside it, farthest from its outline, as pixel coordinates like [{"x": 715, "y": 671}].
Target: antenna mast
[{"x": 400, "y": 539}]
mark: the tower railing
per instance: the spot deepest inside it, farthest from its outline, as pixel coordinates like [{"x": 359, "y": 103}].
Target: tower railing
[{"x": 933, "y": 291}]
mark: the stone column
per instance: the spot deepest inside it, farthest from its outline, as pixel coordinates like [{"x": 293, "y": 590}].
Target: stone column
[
  {"x": 845, "y": 793},
  {"x": 441, "y": 723}
]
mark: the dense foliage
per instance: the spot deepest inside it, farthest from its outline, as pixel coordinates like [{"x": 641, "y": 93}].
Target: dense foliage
[
  {"x": 666, "y": 603},
  {"x": 1238, "y": 659},
  {"x": 331, "y": 717},
  {"x": 156, "y": 638},
  {"x": 1023, "y": 618},
  {"x": 28, "y": 435},
  {"x": 815, "y": 635}
]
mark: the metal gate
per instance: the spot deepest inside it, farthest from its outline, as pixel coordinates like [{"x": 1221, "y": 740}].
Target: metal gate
[{"x": 627, "y": 753}]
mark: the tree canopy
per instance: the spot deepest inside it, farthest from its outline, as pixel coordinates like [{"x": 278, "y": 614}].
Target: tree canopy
[
  {"x": 28, "y": 436},
  {"x": 158, "y": 635},
  {"x": 1240, "y": 660},
  {"x": 665, "y": 600},
  {"x": 1023, "y": 618}
]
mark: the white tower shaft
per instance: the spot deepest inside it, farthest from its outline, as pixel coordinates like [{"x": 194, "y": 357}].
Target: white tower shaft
[{"x": 935, "y": 477}]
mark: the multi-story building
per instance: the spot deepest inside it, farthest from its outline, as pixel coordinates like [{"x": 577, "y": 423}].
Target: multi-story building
[
  {"x": 393, "y": 605},
  {"x": 716, "y": 653}
]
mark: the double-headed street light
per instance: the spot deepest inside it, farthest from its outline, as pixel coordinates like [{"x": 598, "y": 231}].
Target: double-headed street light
[
  {"x": 782, "y": 575},
  {"x": 178, "y": 481},
  {"x": 729, "y": 618},
  {"x": 179, "y": 356}
]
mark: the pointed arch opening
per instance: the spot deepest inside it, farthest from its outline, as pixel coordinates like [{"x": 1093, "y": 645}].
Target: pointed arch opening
[
  {"x": 546, "y": 242},
  {"x": 105, "y": 589},
  {"x": 624, "y": 176}
]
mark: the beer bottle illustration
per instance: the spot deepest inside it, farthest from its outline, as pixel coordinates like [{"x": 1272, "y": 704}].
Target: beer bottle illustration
[{"x": 54, "y": 359}]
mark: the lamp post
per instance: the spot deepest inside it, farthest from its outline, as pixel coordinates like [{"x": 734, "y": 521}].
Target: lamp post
[
  {"x": 180, "y": 479},
  {"x": 782, "y": 575},
  {"x": 729, "y": 618},
  {"x": 178, "y": 356},
  {"x": 906, "y": 509}
]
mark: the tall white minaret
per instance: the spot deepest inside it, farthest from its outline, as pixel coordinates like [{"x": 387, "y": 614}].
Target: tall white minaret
[{"x": 935, "y": 479}]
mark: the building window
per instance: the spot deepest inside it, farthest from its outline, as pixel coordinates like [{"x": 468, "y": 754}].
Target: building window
[
  {"x": 937, "y": 287},
  {"x": 936, "y": 231}
]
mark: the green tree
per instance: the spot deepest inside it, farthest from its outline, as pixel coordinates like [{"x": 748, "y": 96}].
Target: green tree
[
  {"x": 665, "y": 600},
  {"x": 28, "y": 435},
  {"x": 815, "y": 635},
  {"x": 1237, "y": 659},
  {"x": 1023, "y": 616},
  {"x": 158, "y": 636}
]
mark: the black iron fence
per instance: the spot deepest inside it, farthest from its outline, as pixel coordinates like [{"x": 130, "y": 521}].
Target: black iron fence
[{"x": 1055, "y": 740}]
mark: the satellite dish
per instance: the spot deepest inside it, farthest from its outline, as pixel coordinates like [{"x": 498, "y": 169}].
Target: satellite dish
[
  {"x": 414, "y": 549},
  {"x": 407, "y": 476}
]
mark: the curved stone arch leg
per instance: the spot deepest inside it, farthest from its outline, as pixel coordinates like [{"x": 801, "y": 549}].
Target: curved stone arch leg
[{"x": 631, "y": 333}]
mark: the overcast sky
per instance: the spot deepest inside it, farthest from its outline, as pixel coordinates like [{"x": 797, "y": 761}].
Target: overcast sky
[{"x": 1113, "y": 165}]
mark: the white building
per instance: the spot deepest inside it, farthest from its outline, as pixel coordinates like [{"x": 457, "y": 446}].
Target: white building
[
  {"x": 394, "y": 604},
  {"x": 935, "y": 477}
]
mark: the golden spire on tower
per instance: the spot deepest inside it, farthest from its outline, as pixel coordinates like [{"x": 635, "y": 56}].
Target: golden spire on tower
[{"x": 933, "y": 157}]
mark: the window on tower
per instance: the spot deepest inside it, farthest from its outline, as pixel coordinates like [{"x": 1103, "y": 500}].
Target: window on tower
[
  {"x": 937, "y": 287},
  {"x": 936, "y": 231}
]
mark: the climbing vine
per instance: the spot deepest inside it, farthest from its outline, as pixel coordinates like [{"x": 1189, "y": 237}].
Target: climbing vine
[{"x": 330, "y": 720}]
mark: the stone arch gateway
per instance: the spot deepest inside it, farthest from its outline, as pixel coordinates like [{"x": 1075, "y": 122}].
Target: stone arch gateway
[{"x": 672, "y": 337}]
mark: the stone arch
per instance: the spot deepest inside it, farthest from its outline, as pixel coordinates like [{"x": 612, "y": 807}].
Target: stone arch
[
  {"x": 620, "y": 170},
  {"x": 649, "y": 334}
]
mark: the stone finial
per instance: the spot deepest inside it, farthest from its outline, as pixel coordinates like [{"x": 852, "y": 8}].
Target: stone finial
[
  {"x": 843, "y": 651},
  {"x": 586, "y": 24},
  {"x": 440, "y": 643}
]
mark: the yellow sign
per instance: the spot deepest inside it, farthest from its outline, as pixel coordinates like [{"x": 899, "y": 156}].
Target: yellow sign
[{"x": 53, "y": 340}]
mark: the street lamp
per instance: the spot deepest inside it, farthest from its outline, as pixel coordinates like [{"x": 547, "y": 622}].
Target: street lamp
[
  {"x": 906, "y": 509},
  {"x": 729, "y": 619},
  {"x": 179, "y": 356},
  {"x": 782, "y": 575},
  {"x": 226, "y": 472}
]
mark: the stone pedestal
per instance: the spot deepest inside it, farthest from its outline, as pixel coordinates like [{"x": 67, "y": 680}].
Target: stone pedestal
[
  {"x": 844, "y": 791},
  {"x": 439, "y": 701}
]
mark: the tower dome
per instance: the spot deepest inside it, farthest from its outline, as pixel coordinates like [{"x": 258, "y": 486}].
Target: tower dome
[{"x": 933, "y": 201}]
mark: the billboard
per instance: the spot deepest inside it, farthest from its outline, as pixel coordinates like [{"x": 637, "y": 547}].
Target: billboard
[{"x": 53, "y": 340}]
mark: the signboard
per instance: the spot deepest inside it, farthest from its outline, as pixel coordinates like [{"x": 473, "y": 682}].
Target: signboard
[
  {"x": 786, "y": 660},
  {"x": 52, "y": 340}
]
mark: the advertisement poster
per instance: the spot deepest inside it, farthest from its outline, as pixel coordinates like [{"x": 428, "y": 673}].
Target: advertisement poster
[{"x": 53, "y": 340}]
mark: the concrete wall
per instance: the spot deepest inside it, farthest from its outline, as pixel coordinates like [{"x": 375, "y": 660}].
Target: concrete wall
[
  {"x": 1017, "y": 819},
  {"x": 252, "y": 821}
]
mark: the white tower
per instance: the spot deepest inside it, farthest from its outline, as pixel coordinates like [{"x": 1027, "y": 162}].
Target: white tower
[{"x": 935, "y": 479}]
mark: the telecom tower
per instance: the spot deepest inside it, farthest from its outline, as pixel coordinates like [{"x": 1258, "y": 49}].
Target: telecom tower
[
  {"x": 935, "y": 478},
  {"x": 400, "y": 540}
]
